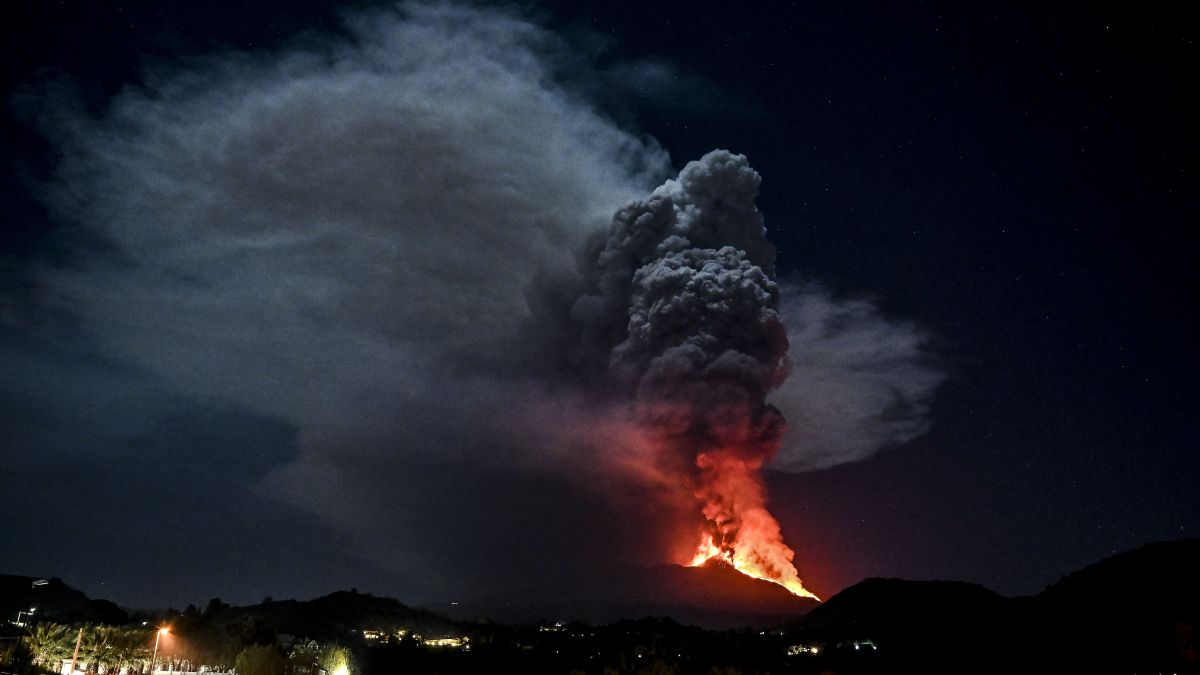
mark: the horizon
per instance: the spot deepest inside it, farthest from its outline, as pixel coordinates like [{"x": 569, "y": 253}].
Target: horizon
[
  {"x": 444, "y": 300},
  {"x": 431, "y": 604}
]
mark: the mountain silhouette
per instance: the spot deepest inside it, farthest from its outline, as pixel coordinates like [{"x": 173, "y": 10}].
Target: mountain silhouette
[
  {"x": 1137, "y": 611},
  {"x": 713, "y": 595}
]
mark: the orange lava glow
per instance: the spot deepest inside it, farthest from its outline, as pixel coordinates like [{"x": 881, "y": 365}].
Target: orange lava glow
[
  {"x": 708, "y": 551},
  {"x": 740, "y": 531}
]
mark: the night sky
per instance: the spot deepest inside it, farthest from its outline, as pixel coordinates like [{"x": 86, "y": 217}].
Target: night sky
[{"x": 265, "y": 271}]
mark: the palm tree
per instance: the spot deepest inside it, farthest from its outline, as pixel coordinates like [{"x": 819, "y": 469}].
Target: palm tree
[
  {"x": 48, "y": 643},
  {"x": 98, "y": 647},
  {"x": 130, "y": 647},
  {"x": 303, "y": 656}
]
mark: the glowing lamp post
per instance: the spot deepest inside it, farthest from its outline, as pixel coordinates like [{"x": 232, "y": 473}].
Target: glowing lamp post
[
  {"x": 35, "y": 584},
  {"x": 157, "y": 637}
]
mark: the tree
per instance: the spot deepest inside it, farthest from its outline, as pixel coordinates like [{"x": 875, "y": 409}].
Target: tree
[
  {"x": 214, "y": 607},
  {"x": 336, "y": 660},
  {"x": 49, "y": 642},
  {"x": 303, "y": 656},
  {"x": 259, "y": 660},
  {"x": 98, "y": 646},
  {"x": 132, "y": 646},
  {"x": 253, "y": 630}
]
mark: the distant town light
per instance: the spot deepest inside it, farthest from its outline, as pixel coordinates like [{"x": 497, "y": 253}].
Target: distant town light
[
  {"x": 452, "y": 641},
  {"x": 796, "y": 650}
]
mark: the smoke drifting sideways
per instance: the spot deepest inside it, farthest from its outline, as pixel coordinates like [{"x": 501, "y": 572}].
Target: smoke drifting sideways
[{"x": 400, "y": 243}]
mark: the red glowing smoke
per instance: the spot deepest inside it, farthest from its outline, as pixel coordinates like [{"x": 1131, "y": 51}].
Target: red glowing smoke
[{"x": 741, "y": 531}]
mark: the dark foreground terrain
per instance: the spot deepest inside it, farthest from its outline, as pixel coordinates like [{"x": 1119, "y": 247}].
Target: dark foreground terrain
[{"x": 1137, "y": 612}]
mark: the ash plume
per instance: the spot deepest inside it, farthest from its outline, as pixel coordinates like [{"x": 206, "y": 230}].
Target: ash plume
[{"x": 683, "y": 281}]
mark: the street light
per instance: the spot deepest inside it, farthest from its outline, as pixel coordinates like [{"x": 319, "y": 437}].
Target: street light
[
  {"x": 31, "y": 611},
  {"x": 32, "y": 587},
  {"x": 161, "y": 632}
]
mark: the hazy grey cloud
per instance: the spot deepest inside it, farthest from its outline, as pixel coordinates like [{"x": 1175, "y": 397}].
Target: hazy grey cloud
[
  {"x": 340, "y": 235},
  {"x": 664, "y": 86},
  {"x": 327, "y": 226},
  {"x": 860, "y": 381},
  {"x": 356, "y": 211}
]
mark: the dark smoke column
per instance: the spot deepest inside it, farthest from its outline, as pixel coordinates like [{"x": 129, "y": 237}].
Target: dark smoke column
[{"x": 682, "y": 312}]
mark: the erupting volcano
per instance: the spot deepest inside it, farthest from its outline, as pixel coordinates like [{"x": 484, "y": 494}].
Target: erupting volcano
[
  {"x": 678, "y": 315},
  {"x": 743, "y": 533}
]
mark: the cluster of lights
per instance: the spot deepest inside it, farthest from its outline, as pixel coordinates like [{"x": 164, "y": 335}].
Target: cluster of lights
[
  {"x": 447, "y": 642},
  {"x": 796, "y": 650},
  {"x": 858, "y": 645},
  {"x": 382, "y": 636}
]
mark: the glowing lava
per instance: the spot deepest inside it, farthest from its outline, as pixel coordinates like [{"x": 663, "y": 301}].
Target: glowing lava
[
  {"x": 741, "y": 532},
  {"x": 709, "y": 551}
]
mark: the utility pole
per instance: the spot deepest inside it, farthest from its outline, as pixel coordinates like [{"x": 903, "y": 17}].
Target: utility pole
[{"x": 74, "y": 656}]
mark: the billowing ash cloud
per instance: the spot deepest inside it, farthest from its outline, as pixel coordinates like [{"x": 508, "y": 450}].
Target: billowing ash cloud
[
  {"x": 859, "y": 383},
  {"x": 681, "y": 306},
  {"x": 401, "y": 244},
  {"x": 678, "y": 227}
]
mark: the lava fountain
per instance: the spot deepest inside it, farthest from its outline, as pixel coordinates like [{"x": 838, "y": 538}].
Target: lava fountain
[{"x": 742, "y": 532}]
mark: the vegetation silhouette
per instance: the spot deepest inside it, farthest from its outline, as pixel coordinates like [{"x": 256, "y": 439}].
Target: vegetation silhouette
[{"x": 1134, "y": 612}]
